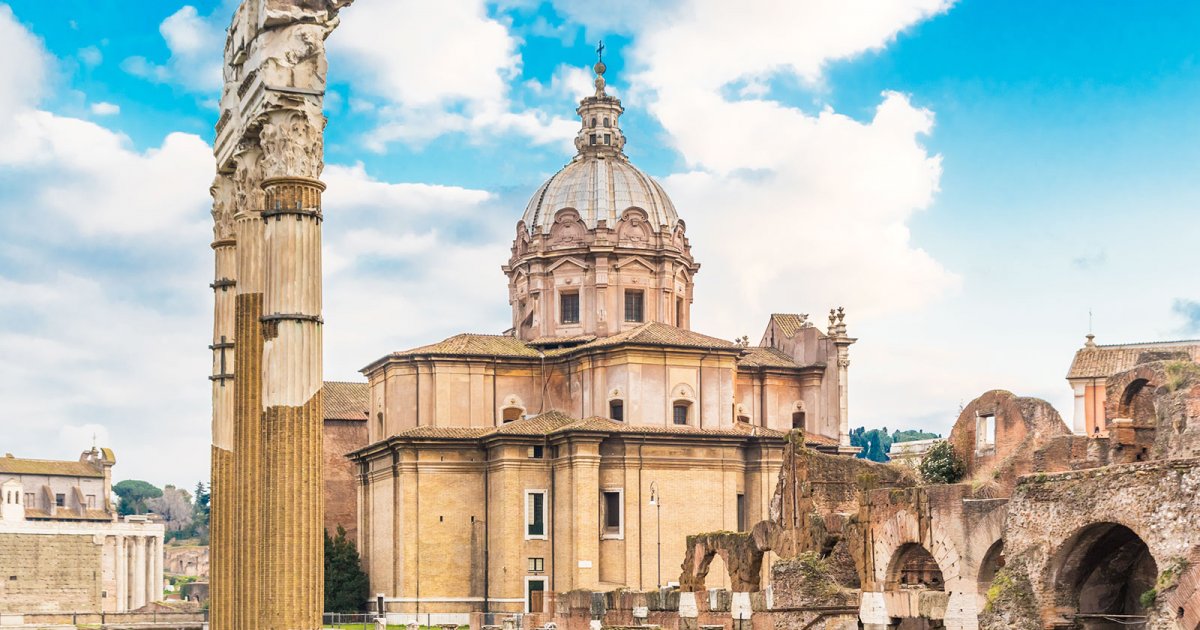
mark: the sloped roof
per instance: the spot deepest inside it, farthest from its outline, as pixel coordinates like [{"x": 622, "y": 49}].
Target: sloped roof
[
  {"x": 758, "y": 356},
  {"x": 1104, "y": 361},
  {"x": 789, "y": 323},
  {"x": 471, "y": 344},
  {"x": 67, "y": 514},
  {"x": 54, "y": 468},
  {"x": 660, "y": 334},
  {"x": 345, "y": 401}
]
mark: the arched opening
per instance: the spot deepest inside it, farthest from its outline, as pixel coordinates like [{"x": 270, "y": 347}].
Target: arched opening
[
  {"x": 379, "y": 426},
  {"x": 509, "y": 414},
  {"x": 681, "y": 412},
  {"x": 1137, "y": 402},
  {"x": 1100, "y": 574},
  {"x": 993, "y": 561},
  {"x": 914, "y": 568},
  {"x": 616, "y": 410},
  {"x": 798, "y": 420}
]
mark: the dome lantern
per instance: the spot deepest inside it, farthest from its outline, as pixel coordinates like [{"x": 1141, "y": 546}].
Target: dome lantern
[{"x": 600, "y": 132}]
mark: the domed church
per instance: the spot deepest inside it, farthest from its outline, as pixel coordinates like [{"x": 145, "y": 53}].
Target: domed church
[{"x": 578, "y": 449}]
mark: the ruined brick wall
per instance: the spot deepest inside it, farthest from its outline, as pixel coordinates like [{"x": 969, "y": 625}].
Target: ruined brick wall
[
  {"x": 341, "y": 485},
  {"x": 1048, "y": 512},
  {"x": 52, "y": 573},
  {"x": 1161, "y": 401},
  {"x": 1022, "y": 425}
]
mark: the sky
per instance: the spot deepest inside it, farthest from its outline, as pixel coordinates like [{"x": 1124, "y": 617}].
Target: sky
[{"x": 977, "y": 183}]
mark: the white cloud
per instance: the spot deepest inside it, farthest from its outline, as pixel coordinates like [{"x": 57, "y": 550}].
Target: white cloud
[
  {"x": 103, "y": 108},
  {"x": 91, "y": 56},
  {"x": 196, "y": 44},
  {"x": 442, "y": 68},
  {"x": 26, "y": 64}
]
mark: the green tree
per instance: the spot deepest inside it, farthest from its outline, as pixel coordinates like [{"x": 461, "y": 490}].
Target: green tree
[
  {"x": 346, "y": 586},
  {"x": 201, "y": 510},
  {"x": 875, "y": 444},
  {"x": 132, "y": 495},
  {"x": 942, "y": 465},
  {"x": 912, "y": 435}
]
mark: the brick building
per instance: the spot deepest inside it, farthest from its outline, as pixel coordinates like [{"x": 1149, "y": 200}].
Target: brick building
[{"x": 62, "y": 547}]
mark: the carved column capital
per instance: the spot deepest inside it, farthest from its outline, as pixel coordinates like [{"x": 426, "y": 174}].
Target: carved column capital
[
  {"x": 292, "y": 144},
  {"x": 222, "y": 209}
]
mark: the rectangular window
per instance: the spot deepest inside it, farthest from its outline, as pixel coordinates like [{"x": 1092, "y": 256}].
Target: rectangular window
[
  {"x": 616, "y": 410},
  {"x": 592, "y": 139},
  {"x": 741, "y": 512},
  {"x": 91, "y": 501},
  {"x": 60, "y": 500},
  {"x": 535, "y": 514},
  {"x": 634, "y": 303},
  {"x": 614, "y": 520},
  {"x": 568, "y": 308},
  {"x": 537, "y": 565},
  {"x": 679, "y": 312},
  {"x": 537, "y": 452},
  {"x": 680, "y": 414},
  {"x": 607, "y": 138},
  {"x": 985, "y": 432}
]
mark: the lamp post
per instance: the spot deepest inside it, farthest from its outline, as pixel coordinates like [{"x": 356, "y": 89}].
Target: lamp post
[{"x": 656, "y": 501}]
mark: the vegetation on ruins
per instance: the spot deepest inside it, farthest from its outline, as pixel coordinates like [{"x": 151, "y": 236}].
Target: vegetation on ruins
[
  {"x": 346, "y": 585},
  {"x": 1010, "y": 604},
  {"x": 1180, "y": 373},
  {"x": 942, "y": 465}
]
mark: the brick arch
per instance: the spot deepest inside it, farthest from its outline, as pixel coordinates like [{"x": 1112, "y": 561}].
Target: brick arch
[
  {"x": 1053, "y": 568},
  {"x": 1142, "y": 380},
  {"x": 903, "y": 528}
]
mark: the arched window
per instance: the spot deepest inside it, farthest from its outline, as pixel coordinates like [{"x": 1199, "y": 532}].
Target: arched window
[
  {"x": 798, "y": 420},
  {"x": 510, "y": 414},
  {"x": 606, "y": 122},
  {"x": 379, "y": 425},
  {"x": 616, "y": 410},
  {"x": 593, "y": 122}
]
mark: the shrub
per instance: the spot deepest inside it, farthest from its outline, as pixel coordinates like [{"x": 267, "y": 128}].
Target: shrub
[{"x": 942, "y": 465}]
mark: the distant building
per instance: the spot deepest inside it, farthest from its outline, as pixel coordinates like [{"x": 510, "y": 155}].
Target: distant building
[
  {"x": 345, "y": 430},
  {"x": 911, "y": 453},
  {"x": 1094, "y": 364},
  {"x": 62, "y": 547}
]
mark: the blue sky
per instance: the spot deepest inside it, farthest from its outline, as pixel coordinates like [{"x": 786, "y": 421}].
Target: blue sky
[{"x": 969, "y": 179}]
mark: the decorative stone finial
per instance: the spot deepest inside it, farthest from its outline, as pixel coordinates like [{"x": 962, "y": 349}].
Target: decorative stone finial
[
  {"x": 1091, "y": 341},
  {"x": 600, "y": 134}
]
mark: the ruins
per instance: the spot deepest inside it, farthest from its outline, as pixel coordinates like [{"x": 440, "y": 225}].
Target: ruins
[{"x": 267, "y": 514}]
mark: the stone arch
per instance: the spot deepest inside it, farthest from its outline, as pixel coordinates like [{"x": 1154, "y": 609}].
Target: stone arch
[
  {"x": 903, "y": 528},
  {"x": 738, "y": 552},
  {"x": 682, "y": 395},
  {"x": 993, "y": 561},
  {"x": 1137, "y": 400},
  {"x": 1101, "y": 569},
  {"x": 913, "y": 566},
  {"x": 512, "y": 408}
]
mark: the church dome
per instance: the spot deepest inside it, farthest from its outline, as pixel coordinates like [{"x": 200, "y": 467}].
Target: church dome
[{"x": 599, "y": 187}]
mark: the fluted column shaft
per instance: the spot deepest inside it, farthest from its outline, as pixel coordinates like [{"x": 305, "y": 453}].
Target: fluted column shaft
[
  {"x": 221, "y": 491},
  {"x": 293, "y": 580}
]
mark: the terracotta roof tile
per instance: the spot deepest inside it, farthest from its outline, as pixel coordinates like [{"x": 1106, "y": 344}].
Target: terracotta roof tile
[
  {"x": 469, "y": 344},
  {"x": 790, "y": 323},
  {"x": 1104, "y": 361},
  {"x": 454, "y": 433},
  {"x": 766, "y": 357},
  {"x": 345, "y": 401},
  {"x": 67, "y": 514},
  {"x": 19, "y": 466},
  {"x": 660, "y": 334}
]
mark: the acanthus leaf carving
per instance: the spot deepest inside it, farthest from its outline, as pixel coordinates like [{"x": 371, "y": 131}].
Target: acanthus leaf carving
[
  {"x": 292, "y": 145},
  {"x": 247, "y": 179},
  {"x": 222, "y": 209}
]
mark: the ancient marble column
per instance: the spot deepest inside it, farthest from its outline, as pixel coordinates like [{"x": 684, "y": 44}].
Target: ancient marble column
[
  {"x": 246, "y": 538},
  {"x": 139, "y": 571},
  {"x": 224, "y": 284},
  {"x": 122, "y": 570},
  {"x": 293, "y": 546}
]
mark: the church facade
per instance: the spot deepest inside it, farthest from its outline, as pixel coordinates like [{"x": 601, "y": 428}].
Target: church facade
[{"x": 580, "y": 448}]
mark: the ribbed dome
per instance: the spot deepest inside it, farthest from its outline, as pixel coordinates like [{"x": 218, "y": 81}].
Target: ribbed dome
[{"x": 599, "y": 187}]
